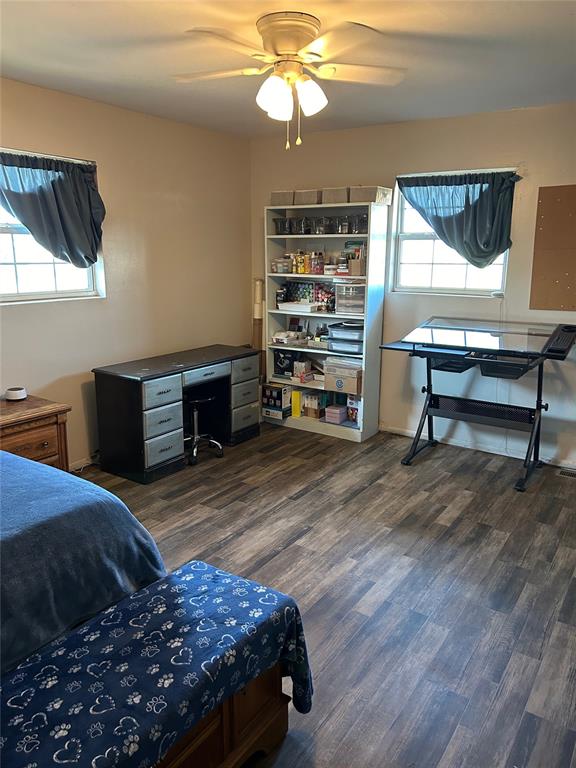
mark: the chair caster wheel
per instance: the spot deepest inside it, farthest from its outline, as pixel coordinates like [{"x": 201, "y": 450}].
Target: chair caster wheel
[
  {"x": 192, "y": 460},
  {"x": 220, "y": 455}
]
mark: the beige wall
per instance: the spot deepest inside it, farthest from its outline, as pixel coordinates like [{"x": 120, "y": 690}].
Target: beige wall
[
  {"x": 176, "y": 247},
  {"x": 542, "y": 142}
]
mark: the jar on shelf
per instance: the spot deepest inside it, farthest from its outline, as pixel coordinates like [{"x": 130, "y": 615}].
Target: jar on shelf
[
  {"x": 300, "y": 225},
  {"x": 282, "y": 226},
  {"x": 319, "y": 225},
  {"x": 343, "y": 225},
  {"x": 359, "y": 224}
]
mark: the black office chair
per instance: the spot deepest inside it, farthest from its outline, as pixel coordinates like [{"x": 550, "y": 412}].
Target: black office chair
[{"x": 197, "y": 438}]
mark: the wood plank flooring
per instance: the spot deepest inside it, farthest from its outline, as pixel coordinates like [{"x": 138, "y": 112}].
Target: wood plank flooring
[{"x": 439, "y": 604}]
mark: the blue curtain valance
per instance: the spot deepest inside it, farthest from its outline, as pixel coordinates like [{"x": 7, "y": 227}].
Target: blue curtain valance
[
  {"x": 470, "y": 212},
  {"x": 57, "y": 201}
]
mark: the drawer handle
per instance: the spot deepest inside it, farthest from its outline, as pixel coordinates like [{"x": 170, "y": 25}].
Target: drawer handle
[
  {"x": 164, "y": 392},
  {"x": 209, "y": 373},
  {"x": 168, "y": 448},
  {"x": 245, "y": 370},
  {"x": 247, "y": 418},
  {"x": 45, "y": 444},
  {"x": 165, "y": 421}
]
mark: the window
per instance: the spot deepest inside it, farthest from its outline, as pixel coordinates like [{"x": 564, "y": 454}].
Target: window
[
  {"x": 424, "y": 264},
  {"x": 28, "y": 272}
]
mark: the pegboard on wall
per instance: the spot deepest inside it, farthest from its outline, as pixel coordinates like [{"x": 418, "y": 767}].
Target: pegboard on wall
[{"x": 554, "y": 265}]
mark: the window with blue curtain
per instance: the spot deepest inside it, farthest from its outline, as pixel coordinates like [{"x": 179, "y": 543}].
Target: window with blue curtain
[
  {"x": 51, "y": 216},
  {"x": 470, "y": 212}
]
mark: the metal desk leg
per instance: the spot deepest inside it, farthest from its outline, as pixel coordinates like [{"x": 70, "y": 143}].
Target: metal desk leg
[
  {"x": 532, "y": 460},
  {"x": 430, "y": 443}
]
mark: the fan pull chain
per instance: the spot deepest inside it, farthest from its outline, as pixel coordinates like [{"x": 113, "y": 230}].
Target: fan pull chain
[
  {"x": 298, "y": 139},
  {"x": 287, "y": 135}
]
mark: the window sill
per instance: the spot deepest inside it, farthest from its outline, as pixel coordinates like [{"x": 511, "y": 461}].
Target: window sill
[
  {"x": 48, "y": 300},
  {"x": 444, "y": 294}
]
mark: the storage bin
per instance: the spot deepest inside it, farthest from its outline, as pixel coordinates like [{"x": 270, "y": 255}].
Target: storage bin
[
  {"x": 335, "y": 195},
  {"x": 381, "y": 195},
  {"x": 350, "y": 299},
  {"x": 348, "y": 331},
  {"x": 350, "y": 347},
  {"x": 282, "y": 197},
  {"x": 335, "y": 414},
  {"x": 307, "y": 196}
]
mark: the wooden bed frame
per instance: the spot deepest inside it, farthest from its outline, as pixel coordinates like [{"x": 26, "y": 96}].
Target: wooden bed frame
[{"x": 253, "y": 721}]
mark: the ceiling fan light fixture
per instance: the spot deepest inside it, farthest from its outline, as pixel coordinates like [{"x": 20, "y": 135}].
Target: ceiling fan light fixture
[
  {"x": 311, "y": 97},
  {"x": 283, "y": 108},
  {"x": 275, "y": 95}
]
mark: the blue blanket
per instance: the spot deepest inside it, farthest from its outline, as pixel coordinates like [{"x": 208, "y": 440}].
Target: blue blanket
[
  {"x": 68, "y": 549},
  {"x": 124, "y": 687}
]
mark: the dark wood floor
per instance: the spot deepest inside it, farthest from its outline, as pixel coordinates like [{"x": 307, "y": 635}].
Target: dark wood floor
[{"x": 439, "y": 604}]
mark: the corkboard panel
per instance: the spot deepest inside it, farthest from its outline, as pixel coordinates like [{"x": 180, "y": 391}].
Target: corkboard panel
[{"x": 554, "y": 265}]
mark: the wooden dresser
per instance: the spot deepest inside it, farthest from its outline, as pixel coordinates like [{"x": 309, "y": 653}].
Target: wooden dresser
[{"x": 36, "y": 429}]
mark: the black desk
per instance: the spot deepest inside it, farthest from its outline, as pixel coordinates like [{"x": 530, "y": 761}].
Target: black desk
[
  {"x": 506, "y": 350},
  {"x": 143, "y": 417}
]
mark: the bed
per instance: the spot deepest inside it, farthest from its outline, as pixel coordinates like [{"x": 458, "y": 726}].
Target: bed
[
  {"x": 185, "y": 670},
  {"x": 68, "y": 550}
]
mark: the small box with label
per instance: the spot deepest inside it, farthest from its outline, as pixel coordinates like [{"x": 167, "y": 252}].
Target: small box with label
[
  {"x": 276, "y": 401},
  {"x": 354, "y": 409}
]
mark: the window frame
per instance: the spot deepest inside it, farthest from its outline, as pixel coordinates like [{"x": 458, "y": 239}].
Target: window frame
[
  {"x": 398, "y": 236},
  {"x": 95, "y": 271}
]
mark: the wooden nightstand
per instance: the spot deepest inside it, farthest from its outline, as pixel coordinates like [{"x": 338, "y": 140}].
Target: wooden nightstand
[{"x": 36, "y": 429}]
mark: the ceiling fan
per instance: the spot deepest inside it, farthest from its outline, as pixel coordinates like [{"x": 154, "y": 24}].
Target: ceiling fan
[{"x": 296, "y": 55}]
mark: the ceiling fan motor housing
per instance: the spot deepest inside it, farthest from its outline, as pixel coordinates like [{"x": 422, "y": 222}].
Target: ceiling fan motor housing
[{"x": 287, "y": 32}]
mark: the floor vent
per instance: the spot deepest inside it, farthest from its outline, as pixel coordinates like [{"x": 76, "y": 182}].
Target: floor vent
[{"x": 568, "y": 473}]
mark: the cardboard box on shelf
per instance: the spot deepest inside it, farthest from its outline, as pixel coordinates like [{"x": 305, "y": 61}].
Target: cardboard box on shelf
[
  {"x": 349, "y": 382},
  {"x": 354, "y": 408},
  {"x": 335, "y": 195},
  {"x": 314, "y": 403},
  {"x": 371, "y": 195},
  {"x": 296, "y": 403},
  {"x": 307, "y": 196},
  {"x": 276, "y": 403},
  {"x": 282, "y": 197}
]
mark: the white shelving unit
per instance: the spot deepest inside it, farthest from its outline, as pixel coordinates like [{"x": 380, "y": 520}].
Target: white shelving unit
[{"x": 276, "y": 319}]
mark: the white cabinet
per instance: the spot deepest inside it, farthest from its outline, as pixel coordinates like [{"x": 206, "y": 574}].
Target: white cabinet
[{"x": 329, "y": 229}]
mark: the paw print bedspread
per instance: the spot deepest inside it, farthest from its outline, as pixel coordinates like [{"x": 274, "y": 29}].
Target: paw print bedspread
[{"x": 125, "y": 686}]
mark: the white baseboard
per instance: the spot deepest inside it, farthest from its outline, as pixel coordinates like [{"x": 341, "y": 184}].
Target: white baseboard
[
  {"x": 476, "y": 446},
  {"x": 80, "y": 464}
]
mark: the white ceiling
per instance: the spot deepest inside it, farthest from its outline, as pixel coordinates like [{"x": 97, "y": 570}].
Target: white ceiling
[{"x": 461, "y": 56}]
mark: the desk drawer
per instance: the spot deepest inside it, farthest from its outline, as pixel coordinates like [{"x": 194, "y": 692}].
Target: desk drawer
[
  {"x": 244, "y": 393},
  {"x": 198, "y": 375},
  {"x": 245, "y": 416},
  {"x": 246, "y": 368},
  {"x": 167, "y": 389},
  {"x": 38, "y": 443},
  {"x": 162, "y": 448},
  {"x": 167, "y": 418}
]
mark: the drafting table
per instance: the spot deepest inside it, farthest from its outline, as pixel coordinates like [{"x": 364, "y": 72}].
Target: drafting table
[{"x": 503, "y": 350}]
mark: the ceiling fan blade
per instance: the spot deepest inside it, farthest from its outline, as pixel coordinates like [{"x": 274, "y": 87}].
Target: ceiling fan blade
[
  {"x": 234, "y": 43},
  {"x": 359, "y": 73},
  {"x": 192, "y": 77},
  {"x": 338, "y": 40}
]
